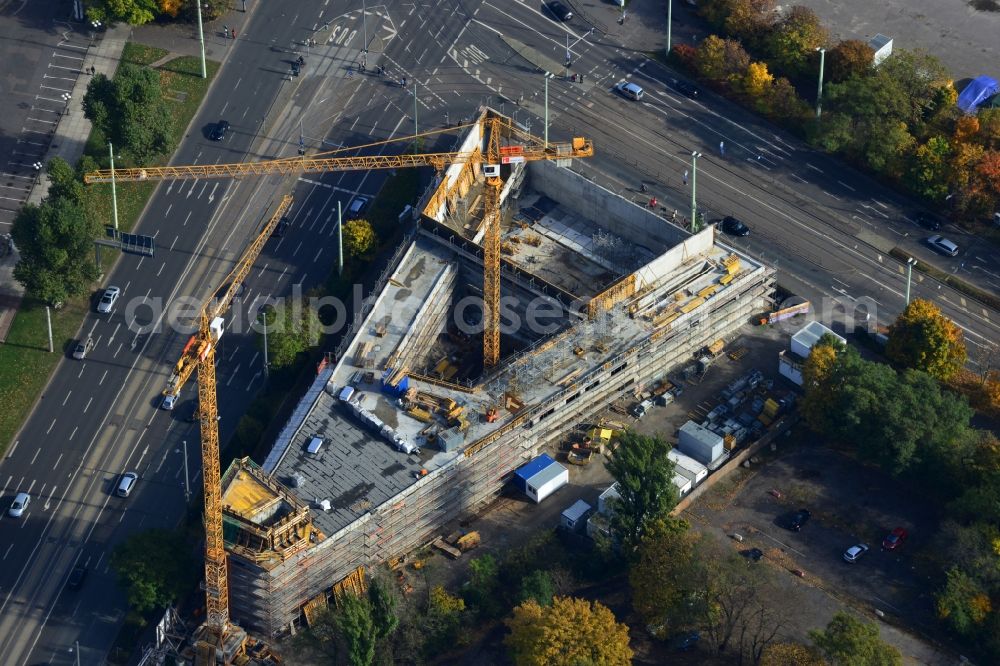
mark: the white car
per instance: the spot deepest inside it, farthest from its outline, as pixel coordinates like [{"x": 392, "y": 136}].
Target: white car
[
  {"x": 109, "y": 299},
  {"x": 854, "y": 553},
  {"x": 19, "y": 506},
  {"x": 169, "y": 400},
  {"x": 943, "y": 245}
]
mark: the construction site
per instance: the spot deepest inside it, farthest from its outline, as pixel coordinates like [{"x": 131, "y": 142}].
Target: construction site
[{"x": 417, "y": 422}]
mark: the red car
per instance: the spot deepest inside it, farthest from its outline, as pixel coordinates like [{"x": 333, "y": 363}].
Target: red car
[{"x": 895, "y": 539}]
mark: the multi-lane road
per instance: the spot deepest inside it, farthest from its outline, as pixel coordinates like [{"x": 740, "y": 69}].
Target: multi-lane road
[{"x": 823, "y": 226}]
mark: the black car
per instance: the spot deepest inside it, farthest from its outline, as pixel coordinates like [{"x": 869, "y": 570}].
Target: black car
[
  {"x": 927, "y": 221},
  {"x": 280, "y": 228},
  {"x": 753, "y": 554},
  {"x": 734, "y": 227},
  {"x": 560, "y": 11},
  {"x": 800, "y": 518},
  {"x": 689, "y": 89},
  {"x": 76, "y": 577},
  {"x": 219, "y": 131}
]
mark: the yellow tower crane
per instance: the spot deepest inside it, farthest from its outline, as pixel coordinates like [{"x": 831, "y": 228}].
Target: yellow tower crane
[
  {"x": 501, "y": 131},
  {"x": 218, "y": 638}
]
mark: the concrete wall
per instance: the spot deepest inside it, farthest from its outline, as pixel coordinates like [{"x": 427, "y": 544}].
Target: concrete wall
[{"x": 590, "y": 201}]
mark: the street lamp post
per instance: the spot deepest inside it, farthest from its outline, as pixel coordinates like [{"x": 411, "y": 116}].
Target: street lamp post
[
  {"x": 910, "y": 263},
  {"x": 670, "y": 23},
  {"x": 819, "y": 91},
  {"x": 201, "y": 39},
  {"x": 694, "y": 185},
  {"x": 114, "y": 196},
  {"x": 364, "y": 27},
  {"x": 547, "y": 110},
  {"x": 187, "y": 487},
  {"x": 263, "y": 311}
]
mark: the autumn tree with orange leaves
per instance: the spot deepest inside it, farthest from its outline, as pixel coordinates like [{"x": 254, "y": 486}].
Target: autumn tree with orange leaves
[{"x": 924, "y": 339}]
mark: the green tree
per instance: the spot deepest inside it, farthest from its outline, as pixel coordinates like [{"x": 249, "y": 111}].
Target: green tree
[
  {"x": 481, "y": 590},
  {"x": 794, "y": 39},
  {"x": 570, "y": 632},
  {"x": 56, "y": 244},
  {"x": 645, "y": 484},
  {"x": 924, "y": 339},
  {"x": 711, "y": 58},
  {"x": 847, "y": 641},
  {"x": 155, "y": 567},
  {"x": 130, "y": 111},
  {"x": 667, "y": 575},
  {"x": 293, "y": 326},
  {"x": 930, "y": 168},
  {"x": 850, "y": 57},
  {"x": 748, "y": 20},
  {"x": 888, "y": 147},
  {"x": 539, "y": 587},
  {"x": 383, "y": 600},
  {"x": 444, "y": 618},
  {"x": 133, "y": 12},
  {"x": 359, "y": 238},
  {"x": 64, "y": 183},
  {"x": 356, "y": 628}
]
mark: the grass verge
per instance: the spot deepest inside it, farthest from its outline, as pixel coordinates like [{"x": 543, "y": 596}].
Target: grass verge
[
  {"x": 947, "y": 278},
  {"x": 25, "y": 362}
]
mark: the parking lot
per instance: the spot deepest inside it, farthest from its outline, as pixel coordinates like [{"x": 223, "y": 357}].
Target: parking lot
[{"x": 850, "y": 504}]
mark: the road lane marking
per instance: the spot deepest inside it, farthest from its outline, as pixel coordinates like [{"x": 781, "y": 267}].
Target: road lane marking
[
  {"x": 318, "y": 252},
  {"x": 34, "y": 457},
  {"x": 51, "y": 426},
  {"x": 174, "y": 243},
  {"x": 845, "y": 185},
  {"x": 87, "y": 406},
  {"x": 814, "y": 168},
  {"x": 60, "y": 456},
  {"x": 68, "y": 394},
  {"x": 102, "y": 378}
]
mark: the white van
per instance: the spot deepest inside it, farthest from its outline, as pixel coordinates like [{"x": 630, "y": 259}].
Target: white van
[{"x": 629, "y": 89}]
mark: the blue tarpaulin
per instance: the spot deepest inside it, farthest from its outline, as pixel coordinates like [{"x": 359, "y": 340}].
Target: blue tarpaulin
[{"x": 978, "y": 91}]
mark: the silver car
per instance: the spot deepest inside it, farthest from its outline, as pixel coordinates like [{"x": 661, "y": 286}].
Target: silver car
[
  {"x": 854, "y": 553},
  {"x": 126, "y": 483},
  {"x": 943, "y": 245},
  {"x": 82, "y": 348},
  {"x": 108, "y": 299},
  {"x": 19, "y": 506}
]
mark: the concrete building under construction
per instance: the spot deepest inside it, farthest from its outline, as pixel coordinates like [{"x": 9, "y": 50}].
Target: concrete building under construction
[{"x": 407, "y": 431}]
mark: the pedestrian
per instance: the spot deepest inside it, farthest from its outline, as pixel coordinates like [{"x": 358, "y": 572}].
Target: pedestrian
[
  {"x": 350, "y": 73},
  {"x": 722, "y": 148},
  {"x": 225, "y": 31},
  {"x": 404, "y": 81},
  {"x": 93, "y": 70},
  {"x": 685, "y": 176},
  {"x": 234, "y": 33},
  {"x": 642, "y": 187},
  {"x": 581, "y": 78}
]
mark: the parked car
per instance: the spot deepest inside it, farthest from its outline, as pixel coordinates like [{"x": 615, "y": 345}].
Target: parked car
[
  {"x": 753, "y": 554},
  {"x": 219, "y": 131},
  {"x": 82, "y": 348},
  {"x": 854, "y": 553},
  {"x": 20, "y": 505},
  {"x": 108, "y": 299},
  {"x": 800, "y": 518},
  {"x": 734, "y": 227},
  {"x": 688, "y": 89},
  {"x": 560, "y": 11},
  {"x": 76, "y": 577},
  {"x": 942, "y": 245},
  {"x": 894, "y": 539},
  {"x": 629, "y": 89}
]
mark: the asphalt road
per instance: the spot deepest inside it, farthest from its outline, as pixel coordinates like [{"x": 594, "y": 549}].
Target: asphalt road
[{"x": 99, "y": 417}]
